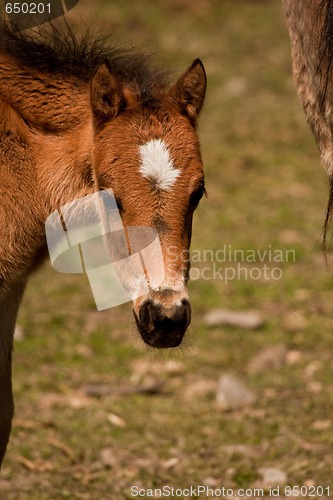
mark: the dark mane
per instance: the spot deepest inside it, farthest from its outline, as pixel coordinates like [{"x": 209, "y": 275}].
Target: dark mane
[{"x": 56, "y": 48}]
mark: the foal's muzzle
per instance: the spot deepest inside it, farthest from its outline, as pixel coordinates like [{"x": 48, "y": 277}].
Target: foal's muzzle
[{"x": 163, "y": 326}]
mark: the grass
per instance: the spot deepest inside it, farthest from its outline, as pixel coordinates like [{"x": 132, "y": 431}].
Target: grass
[{"x": 265, "y": 187}]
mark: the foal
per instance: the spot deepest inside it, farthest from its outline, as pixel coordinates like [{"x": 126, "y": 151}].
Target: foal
[{"x": 78, "y": 117}]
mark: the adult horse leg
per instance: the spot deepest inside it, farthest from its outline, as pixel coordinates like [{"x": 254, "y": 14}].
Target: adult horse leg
[
  {"x": 310, "y": 26},
  {"x": 9, "y": 305}
]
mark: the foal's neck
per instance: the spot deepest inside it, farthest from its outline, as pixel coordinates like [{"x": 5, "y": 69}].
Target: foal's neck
[
  {"x": 54, "y": 116},
  {"x": 48, "y": 102},
  {"x": 65, "y": 170}
]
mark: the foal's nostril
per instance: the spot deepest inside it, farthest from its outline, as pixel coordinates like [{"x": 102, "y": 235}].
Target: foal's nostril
[
  {"x": 145, "y": 312},
  {"x": 187, "y": 307},
  {"x": 163, "y": 326}
]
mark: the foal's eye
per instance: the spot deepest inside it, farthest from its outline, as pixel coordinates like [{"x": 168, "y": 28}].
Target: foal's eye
[{"x": 197, "y": 195}]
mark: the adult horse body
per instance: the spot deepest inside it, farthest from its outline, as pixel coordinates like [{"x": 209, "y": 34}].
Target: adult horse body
[
  {"x": 78, "y": 117},
  {"x": 310, "y": 25}
]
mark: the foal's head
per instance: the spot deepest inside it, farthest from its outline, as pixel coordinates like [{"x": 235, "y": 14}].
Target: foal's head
[{"x": 147, "y": 152}]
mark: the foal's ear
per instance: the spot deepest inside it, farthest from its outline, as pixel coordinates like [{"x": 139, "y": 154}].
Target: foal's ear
[
  {"x": 106, "y": 94},
  {"x": 189, "y": 91}
]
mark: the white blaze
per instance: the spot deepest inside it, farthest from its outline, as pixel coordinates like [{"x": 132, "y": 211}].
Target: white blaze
[{"x": 157, "y": 165}]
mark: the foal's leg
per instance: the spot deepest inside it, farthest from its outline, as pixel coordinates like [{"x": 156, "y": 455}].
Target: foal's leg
[{"x": 9, "y": 305}]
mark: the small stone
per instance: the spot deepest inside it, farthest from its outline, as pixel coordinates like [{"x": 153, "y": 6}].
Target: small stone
[
  {"x": 272, "y": 476},
  {"x": 311, "y": 369},
  {"x": 293, "y": 357},
  {"x": 302, "y": 294},
  {"x": 269, "y": 358},
  {"x": 108, "y": 458},
  {"x": 321, "y": 425},
  {"x": 84, "y": 350},
  {"x": 249, "y": 320},
  {"x": 211, "y": 482},
  {"x": 235, "y": 86},
  {"x": 19, "y": 333},
  {"x": 199, "y": 389},
  {"x": 231, "y": 393},
  {"x": 78, "y": 401},
  {"x": 171, "y": 463},
  {"x": 241, "y": 449},
  {"x": 290, "y": 237},
  {"x": 173, "y": 366},
  {"x": 295, "y": 321},
  {"x": 314, "y": 387},
  {"x": 116, "y": 420},
  {"x": 143, "y": 368}
]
